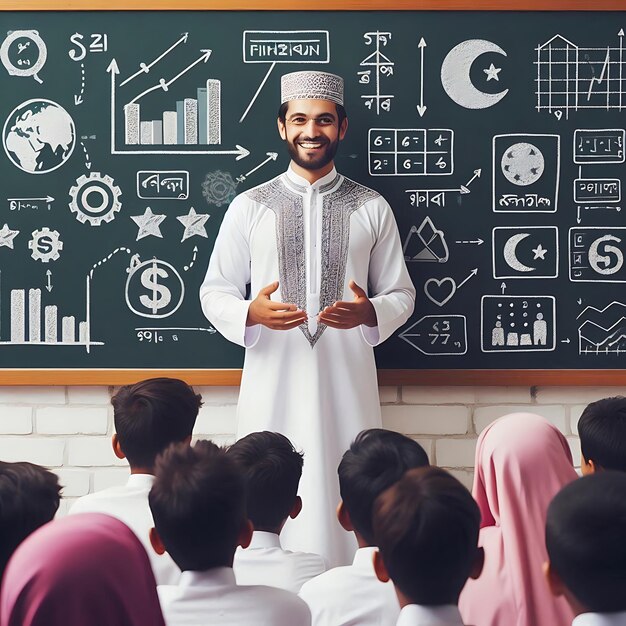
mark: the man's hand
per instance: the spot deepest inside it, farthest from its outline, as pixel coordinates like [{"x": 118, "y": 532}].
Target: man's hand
[
  {"x": 274, "y": 315},
  {"x": 350, "y": 314}
]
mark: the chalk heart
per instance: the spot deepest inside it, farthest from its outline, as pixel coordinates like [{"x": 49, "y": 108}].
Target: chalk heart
[{"x": 440, "y": 291}]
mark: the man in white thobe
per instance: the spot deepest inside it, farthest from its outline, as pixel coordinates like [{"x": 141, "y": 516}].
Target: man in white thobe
[{"x": 324, "y": 256}]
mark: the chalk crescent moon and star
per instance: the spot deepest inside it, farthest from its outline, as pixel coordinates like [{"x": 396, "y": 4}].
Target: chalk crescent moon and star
[
  {"x": 455, "y": 74},
  {"x": 510, "y": 255}
]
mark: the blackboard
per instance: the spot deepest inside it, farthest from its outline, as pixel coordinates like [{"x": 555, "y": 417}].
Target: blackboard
[{"x": 497, "y": 137}]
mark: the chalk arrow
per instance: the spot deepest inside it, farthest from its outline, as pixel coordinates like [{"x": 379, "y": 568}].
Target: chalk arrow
[
  {"x": 578, "y": 215},
  {"x": 470, "y": 275},
  {"x": 565, "y": 340},
  {"x": 78, "y": 99},
  {"x": 164, "y": 84},
  {"x": 47, "y": 199},
  {"x": 242, "y": 152},
  {"x": 258, "y": 91},
  {"x": 621, "y": 62},
  {"x": 271, "y": 156},
  {"x": 503, "y": 287},
  {"x": 580, "y": 301},
  {"x": 144, "y": 69},
  {"x": 477, "y": 174},
  {"x": 49, "y": 285},
  {"x": 193, "y": 260},
  {"x": 113, "y": 69},
  {"x": 421, "y": 107},
  {"x": 478, "y": 242}
]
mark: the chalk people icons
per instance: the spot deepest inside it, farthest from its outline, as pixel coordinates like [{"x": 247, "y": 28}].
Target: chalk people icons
[
  {"x": 526, "y": 171},
  {"x": 518, "y": 323}
]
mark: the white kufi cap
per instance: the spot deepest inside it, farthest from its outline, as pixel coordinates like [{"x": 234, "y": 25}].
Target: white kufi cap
[{"x": 311, "y": 86}]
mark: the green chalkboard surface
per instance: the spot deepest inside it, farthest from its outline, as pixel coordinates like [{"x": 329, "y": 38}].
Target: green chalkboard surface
[{"x": 497, "y": 137}]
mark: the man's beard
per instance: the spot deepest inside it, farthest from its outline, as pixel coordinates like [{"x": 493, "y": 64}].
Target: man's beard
[{"x": 325, "y": 156}]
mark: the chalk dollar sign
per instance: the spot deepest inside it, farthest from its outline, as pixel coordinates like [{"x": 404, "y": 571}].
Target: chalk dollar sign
[
  {"x": 161, "y": 296},
  {"x": 154, "y": 288}
]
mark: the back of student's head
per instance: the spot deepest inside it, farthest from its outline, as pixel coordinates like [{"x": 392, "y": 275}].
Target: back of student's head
[
  {"x": 602, "y": 430},
  {"x": 586, "y": 540},
  {"x": 376, "y": 459},
  {"x": 198, "y": 505},
  {"x": 272, "y": 468},
  {"x": 29, "y": 498},
  {"x": 426, "y": 527},
  {"x": 152, "y": 414}
]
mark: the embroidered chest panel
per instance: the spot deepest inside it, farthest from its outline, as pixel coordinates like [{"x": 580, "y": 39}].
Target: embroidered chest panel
[{"x": 288, "y": 207}]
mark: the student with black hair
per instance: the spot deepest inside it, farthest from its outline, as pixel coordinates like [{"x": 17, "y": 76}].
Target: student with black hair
[
  {"x": 272, "y": 468},
  {"x": 602, "y": 432},
  {"x": 199, "y": 506},
  {"x": 148, "y": 416},
  {"x": 29, "y": 498},
  {"x": 426, "y": 527},
  {"x": 350, "y": 595},
  {"x": 585, "y": 538}
]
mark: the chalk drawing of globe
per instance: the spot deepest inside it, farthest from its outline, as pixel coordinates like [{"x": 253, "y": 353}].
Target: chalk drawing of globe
[{"x": 39, "y": 136}]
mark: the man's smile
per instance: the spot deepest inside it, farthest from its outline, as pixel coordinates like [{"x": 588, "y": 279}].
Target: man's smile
[{"x": 312, "y": 145}]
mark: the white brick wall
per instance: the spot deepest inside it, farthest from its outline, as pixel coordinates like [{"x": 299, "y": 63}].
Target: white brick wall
[{"x": 69, "y": 428}]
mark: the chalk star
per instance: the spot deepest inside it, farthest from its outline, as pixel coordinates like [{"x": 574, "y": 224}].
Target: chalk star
[
  {"x": 540, "y": 253},
  {"x": 148, "y": 224},
  {"x": 193, "y": 223},
  {"x": 492, "y": 72},
  {"x": 7, "y": 236}
]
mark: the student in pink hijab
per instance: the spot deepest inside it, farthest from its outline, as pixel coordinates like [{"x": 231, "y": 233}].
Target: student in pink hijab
[
  {"x": 83, "y": 570},
  {"x": 522, "y": 461}
]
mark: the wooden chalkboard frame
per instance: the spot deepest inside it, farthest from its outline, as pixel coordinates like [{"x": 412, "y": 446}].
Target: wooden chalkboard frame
[{"x": 232, "y": 377}]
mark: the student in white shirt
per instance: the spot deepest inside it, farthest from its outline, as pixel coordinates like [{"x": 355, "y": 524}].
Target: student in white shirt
[
  {"x": 148, "y": 417},
  {"x": 272, "y": 468},
  {"x": 199, "y": 507},
  {"x": 426, "y": 527},
  {"x": 351, "y": 595},
  {"x": 586, "y": 542}
]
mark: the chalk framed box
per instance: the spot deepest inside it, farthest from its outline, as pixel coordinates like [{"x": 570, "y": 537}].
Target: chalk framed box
[{"x": 389, "y": 375}]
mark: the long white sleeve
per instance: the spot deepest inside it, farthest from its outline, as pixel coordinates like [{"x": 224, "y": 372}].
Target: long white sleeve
[
  {"x": 223, "y": 292},
  {"x": 390, "y": 288}
]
